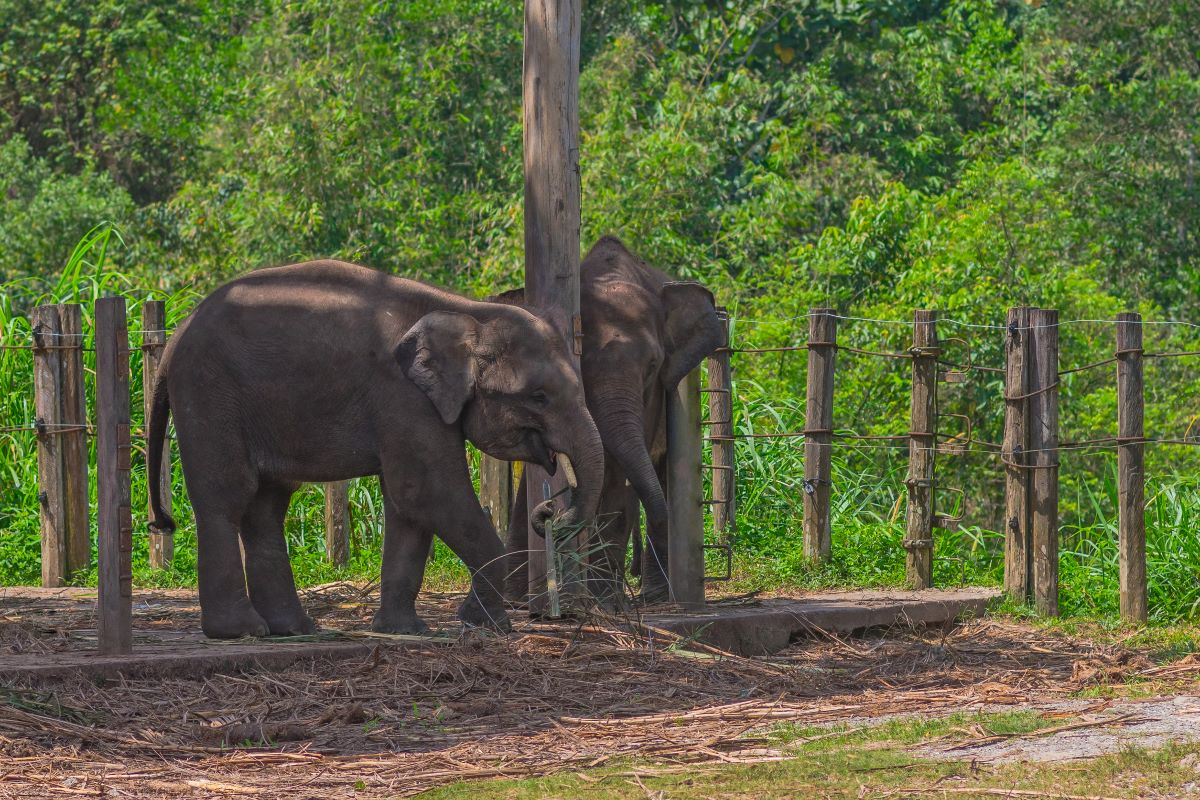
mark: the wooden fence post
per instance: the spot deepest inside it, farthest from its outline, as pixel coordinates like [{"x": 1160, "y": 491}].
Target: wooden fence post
[
  {"x": 47, "y": 398},
  {"x": 115, "y": 538},
  {"x": 818, "y": 433},
  {"x": 685, "y": 485},
  {"x": 74, "y": 439},
  {"x": 154, "y": 339},
  {"x": 337, "y": 522},
  {"x": 1131, "y": 467},
  {"x": 1043, "y": 445},
  {"x": 922, "y": 447},
  {"x": 720, "y": 416},
  {"x": 496, "y": 490},
  {"x": 1017, "y": 550}
]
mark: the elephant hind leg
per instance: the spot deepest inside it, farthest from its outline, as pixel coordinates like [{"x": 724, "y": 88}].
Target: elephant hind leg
[
  {"x": 268, "y": 570},
  {"x": 405, "y": 549}
]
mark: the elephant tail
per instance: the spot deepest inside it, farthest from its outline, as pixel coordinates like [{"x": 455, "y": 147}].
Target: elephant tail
[{"x": 160, "y": 411}]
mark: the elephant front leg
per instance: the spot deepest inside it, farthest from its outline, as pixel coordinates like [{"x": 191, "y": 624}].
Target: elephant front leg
[{"x": 405, "y": 550}]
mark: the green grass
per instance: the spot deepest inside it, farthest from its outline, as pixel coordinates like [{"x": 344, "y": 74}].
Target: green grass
[{"x": 871, "y": 761}]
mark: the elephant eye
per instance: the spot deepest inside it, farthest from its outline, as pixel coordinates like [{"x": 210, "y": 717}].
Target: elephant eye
[{"x": 539, "y": 397}]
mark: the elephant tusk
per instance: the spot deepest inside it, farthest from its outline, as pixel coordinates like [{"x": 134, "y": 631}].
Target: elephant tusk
[{"x": 564, "y": 464}]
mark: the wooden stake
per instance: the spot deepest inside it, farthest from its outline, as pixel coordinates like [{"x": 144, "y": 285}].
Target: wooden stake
[
  {"x": 337, "y": 522},
  {"x": 720, "y": 415},
  {"x": 115, "y": 586},
  {"x": 1131, "y": 467},
  {"x": 154, "y": 339},
  {"x": 922, "y": 446},
  {"x": 551, "y": 149},
  {"x": 1043, "y": 441},
  {"x": 818, "y": 433},
  {"x": 1017, "y": 549},
  {"x": 47, "y": 399},
  {"x": 74, "y": 440},
  {"x": 685, "y": 486}
]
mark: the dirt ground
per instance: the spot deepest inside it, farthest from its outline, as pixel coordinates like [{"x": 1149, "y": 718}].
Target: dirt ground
[{"x": 410, "y": 716}]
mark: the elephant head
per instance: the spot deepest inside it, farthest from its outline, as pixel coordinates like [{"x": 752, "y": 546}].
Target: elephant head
[{"x": 508, "y": 378}]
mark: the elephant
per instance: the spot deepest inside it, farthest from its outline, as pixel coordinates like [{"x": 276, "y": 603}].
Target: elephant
[
  {"x": 642, "y": 333},
  {"x": 324, "y": 371}
]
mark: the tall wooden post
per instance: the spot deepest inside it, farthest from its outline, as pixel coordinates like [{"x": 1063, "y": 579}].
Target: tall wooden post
[
  {"x": 337, "y": 522},
  {"x": 922, "y": 446},
  {"x": 47, "y": 399},
  {"x": 1131, "y": 467},
  {"x": 154, "y": 340},
  {"x": 496, "y": 489},
  {"x": 115, "y": 538},
  {"x": 74, "y": 440},
  {"x": 720, "y": 416},
  {"x": 1043, "y": 442},
  {"x": 685, "y": 545},
  {"x": 818, "y": 433},
  {"x": 1017, "y": 547},
  {"x": 552, "y": 197}
]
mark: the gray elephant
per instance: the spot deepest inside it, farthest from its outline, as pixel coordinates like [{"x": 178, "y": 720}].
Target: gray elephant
[
  {"x": 325, "y": 371},
  {"x": 642, "y": 333}
]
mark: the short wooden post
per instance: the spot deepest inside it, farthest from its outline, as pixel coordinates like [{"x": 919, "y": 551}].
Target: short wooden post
[
  {"x": 685, "y": 526},
  {"x": 1131, "y": 467},
  {"x": 154, "y": 339},
  {"x": 337, "y": 523},
  {"x": 1043, "y": 445},
  {"x": 818, "y": 433},
  {"x": 496, "y": 490},
  {"x": 47, "y": 399},
  {"x": 115, "y": 585},
  {"x": 1017, "y": 549},
  {"x": 720, "y": 420},
  {"x": 74, "y": 440},
  {"x": 922, "y": 447}
]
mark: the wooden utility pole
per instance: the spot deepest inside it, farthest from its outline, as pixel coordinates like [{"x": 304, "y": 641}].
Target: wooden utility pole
[
  {"x": 337, "y": 522},
  {"x": 1131, "y": 467},
  {"x": 720, "y": 421},
  {"x": 1017, "y": 546},
  {"x": 1043, "y": 445},
  {"x": 685, "y": 544},
  {"x": 115, "y": 538},
  {"x": 496, "y": 489},
  {"x": 552, "y": 198},
  {"x": 818, "y": 433},
  {"x": 154, "y": 340}
]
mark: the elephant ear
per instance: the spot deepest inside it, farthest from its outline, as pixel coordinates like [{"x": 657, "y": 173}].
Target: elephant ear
[
  {"x": 438, "y": 355},
  {"x": 691, "y": 329}
]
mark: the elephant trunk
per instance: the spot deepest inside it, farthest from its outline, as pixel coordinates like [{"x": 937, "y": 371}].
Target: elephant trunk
[
  {"x": 582, "y": 463},
  {"x": 622, "y": 426}
]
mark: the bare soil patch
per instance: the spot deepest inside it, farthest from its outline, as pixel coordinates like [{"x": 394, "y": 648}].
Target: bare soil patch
[{"x": 416, "y": 715}]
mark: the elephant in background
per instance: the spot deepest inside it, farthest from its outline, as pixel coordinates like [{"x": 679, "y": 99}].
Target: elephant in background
[
  {"x": 325, "y": 371},
  {"x": 642, "y": 333}
]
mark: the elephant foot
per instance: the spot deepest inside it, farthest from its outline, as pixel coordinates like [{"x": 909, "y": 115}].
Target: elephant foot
[
  {"x": 474, "y": 615},
  {"x": 654, "y": 594},
  {"x": 233, "y": 623},
  {"x": 296, "y": 624},
  {"x": 406, "y": 624}
]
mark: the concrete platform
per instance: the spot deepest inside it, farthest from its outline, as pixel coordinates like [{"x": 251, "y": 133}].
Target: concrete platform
[
  {"x": 48, "y": 635},
  {"x": 772, "y": 624}
]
